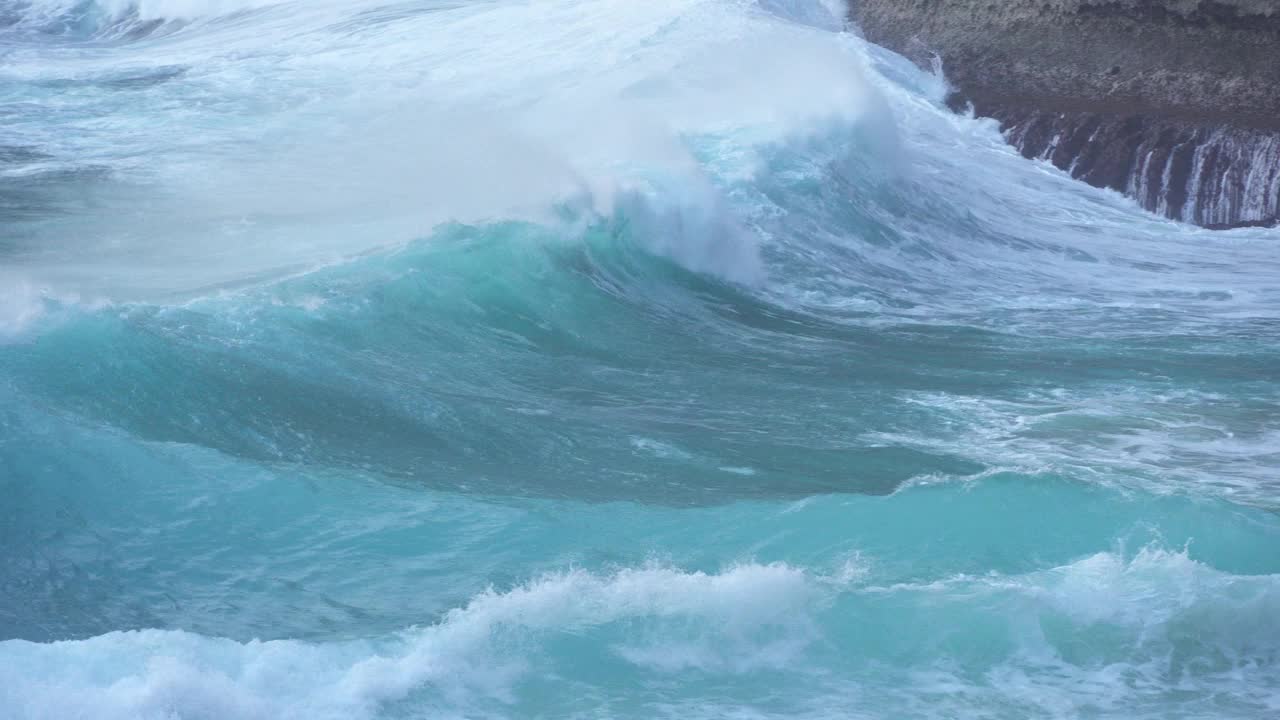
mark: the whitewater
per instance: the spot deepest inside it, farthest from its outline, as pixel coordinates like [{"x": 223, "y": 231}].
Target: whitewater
[{"x": 368, "y": 359}]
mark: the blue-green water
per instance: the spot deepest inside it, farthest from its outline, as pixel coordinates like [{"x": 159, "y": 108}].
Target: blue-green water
[{"x": 591, "y": 358}]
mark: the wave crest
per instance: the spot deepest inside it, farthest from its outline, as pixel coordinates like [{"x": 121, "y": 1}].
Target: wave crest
[{"x": 746, "y": 617}]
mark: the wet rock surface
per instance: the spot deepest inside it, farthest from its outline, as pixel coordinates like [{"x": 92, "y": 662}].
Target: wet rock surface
[{"x": 1173, "y": 102}]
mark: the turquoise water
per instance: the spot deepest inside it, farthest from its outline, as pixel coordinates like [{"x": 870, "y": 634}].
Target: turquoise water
[{"x": 591, "y": 358}]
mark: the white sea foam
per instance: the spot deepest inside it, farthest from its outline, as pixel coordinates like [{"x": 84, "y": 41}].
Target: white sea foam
[
  {"x": 21, "y": 304},
  {"x": 24, "y": 305},
  {"x": 746, "y": 617},
  {"x": 1187, "y": 441},
  {"x": 356, "y": 136}
]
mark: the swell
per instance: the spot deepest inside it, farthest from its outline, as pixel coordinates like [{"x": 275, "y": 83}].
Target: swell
[
  {"x": 486, "y": 347},
  {"x": 481, "y": 347},
  {"x": 246, "y": 550},
  {"x": 241, "y": 549},
  {"x": 1114, "y": 630},
  {"x": 449, "y": 361}
]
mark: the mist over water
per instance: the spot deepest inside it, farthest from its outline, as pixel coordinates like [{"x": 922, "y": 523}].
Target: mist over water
[{"x": 594, "y": 358}]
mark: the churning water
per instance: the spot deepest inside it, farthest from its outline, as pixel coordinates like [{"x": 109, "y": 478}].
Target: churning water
[{"x": 602, "y": 359}]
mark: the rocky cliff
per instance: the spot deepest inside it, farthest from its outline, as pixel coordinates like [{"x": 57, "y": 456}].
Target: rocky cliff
[{"x": 1174, "y": 102}]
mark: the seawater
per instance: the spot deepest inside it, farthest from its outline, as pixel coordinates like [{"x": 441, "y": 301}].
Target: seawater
[{"x": 601, "y": 359}]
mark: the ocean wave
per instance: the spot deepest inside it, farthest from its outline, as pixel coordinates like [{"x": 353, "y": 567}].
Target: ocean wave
[
  {"x": 747, "y": 617},
  {"x": 1183, "y": 618},
  {"x": 671, "y": 140},
  {"x": 682, "y": 358}
]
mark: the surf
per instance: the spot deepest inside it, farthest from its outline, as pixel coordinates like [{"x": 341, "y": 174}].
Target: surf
[{"x": 688, "y": 358}]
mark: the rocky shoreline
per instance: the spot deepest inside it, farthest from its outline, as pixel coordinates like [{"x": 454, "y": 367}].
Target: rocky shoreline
[{"x": 1175, "y": 103}]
